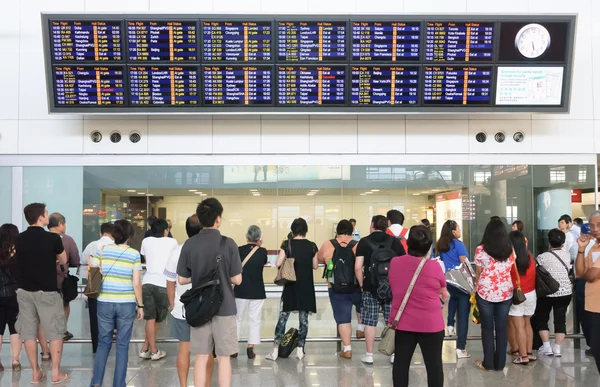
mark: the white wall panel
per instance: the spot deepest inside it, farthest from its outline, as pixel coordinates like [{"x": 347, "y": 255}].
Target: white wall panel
[
  {"x": 596, "y": 57},
  {"x": 117, "y": 5},
  {"x": 435, "y": 6},
  {"x": 433, "y": 136},
  {"x": 332, "y": 6},
  {"x": 106, "y": 127},
  {"x": 562, "y": 136},
  {"x": 50, "y": 137},
  {"x": 382, "y": 136},
  {"x": 236, "y": 6},
  {"x": 191, "y": 136},
  {"x": 509, "y": 128},
  {"x": 9, "y": 68},
  {"x": 333, "y": 136},
  {"x": 389, "y": 6},
  {"x": 236, "y": 136},
  {"x": 503, "y": 116},
  {"x": 285, "y": 136},
  {"x": 278, "y": 6},
  {"x": 504, "y": 6},
  {"x": 9, "y": 136},
  {"x": 183, "y": 6}
]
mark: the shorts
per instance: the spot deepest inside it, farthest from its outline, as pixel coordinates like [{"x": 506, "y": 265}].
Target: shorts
[
  {"x": 180, "y": 330},
  {"x": 156, "y": 303},
  {"x": 45, "y": 308},
  {"x": 342, "y": 303},
  {"x": 369, "y": 308},
  {"x": 219, "y": 333},
  {"x": 9, "y": 309},
  {"x": 525, "y": 309}
]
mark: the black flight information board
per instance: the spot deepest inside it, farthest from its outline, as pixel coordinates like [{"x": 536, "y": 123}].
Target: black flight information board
[
  {"x": 86, "y": 41},
  {"x": 459, "y": 42},
  {"x": 317, "y": 41},
  {"x": 386, "y": 41},
  {"x": 311, "y": 85},
  {"x": 384, "y": 86},
  {"x": 457, "y": 85},
  {"x": 89, "y": 86},
  {"x": 162, "y": 40},
  {"x": 163, "y": 85},
  {"x": 237, "y": 85},
  {"x": 237, "y": 41}
]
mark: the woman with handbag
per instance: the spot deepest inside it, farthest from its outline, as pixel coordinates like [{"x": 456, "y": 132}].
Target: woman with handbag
[
  {"x": 299, "y": 294},
  {"x": 494, "y": 260},
  {"x": 520, "y": 333},
  {"x": 556, "y": 262},
  {"x": 251, "y": 293},
  {"x": 416, "y": 317},
  {"x": 453, "y": 253},
  {"x": 9, "y": 308}
]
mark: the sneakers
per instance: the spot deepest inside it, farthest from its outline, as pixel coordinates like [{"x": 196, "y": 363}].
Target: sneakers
[
  {"x": 299, "y": 353},
  {"x": 346, "y": 354},
  {"x": 556, "y": 350},
  {"x": 250, "y": 353},
  {"x": 450, "y": 330},
  {"x": 367, "y": 359},
  {"x": 462, "y": 354},
  {"x": 273, "y": 355},
  {"x": 392, "y": 358},
  {"x": 145, "y": 354},
  {"x": 360, "y": 334},
  {"x": 546, "y": 351},
  {"x": 158, "y": 355}
]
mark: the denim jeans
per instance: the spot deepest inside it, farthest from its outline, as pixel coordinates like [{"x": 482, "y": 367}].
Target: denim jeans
[
  {"x": 452, "y": 308},
  {"x": 109, "y": 313},
  {"x": 494, "y": 317},
  {"x": 463, "y": 306},
  {"x": 580, "y": 312}
]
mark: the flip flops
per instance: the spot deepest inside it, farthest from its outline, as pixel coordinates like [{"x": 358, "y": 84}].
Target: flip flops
[
  {"x": 479, "y": 364},
  {"x": 43, "y": 378},
  {"x": 63, "y": 380}
]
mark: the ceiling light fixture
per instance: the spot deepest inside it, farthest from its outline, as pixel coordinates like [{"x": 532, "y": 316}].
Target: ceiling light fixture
[
  {"x": 203, "y": 194},
  {"x": 253, "y": 190},
  {"x": 141, "y": 193},
  {"x": 435, "y": 190},
  {"x": 416, "y": 194},
  {"x": 149, "y": 194},
  {"x": 130, "y": 190},
  {"x": 193, "y": 190},
  {"x": 374, "y": 190},
  {"x": 368, "y": 193},
  {"x": 363, "y": 194}
]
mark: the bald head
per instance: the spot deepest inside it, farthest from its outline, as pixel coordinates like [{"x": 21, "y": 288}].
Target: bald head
[{"x": 57, "y": 222}]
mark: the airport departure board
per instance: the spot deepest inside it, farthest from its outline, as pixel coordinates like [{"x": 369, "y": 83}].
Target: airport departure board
[
  {"x": 237, "y": 41},
  {"x": 311, "y": 85},
  {"x": 384, "y": 85},
  {"x": 317, "y": 41},
  {"x": 459, "y": 42},
  {"x": 162, "y": 40},
  {"x": 457, "y": 85},
  {"x": 356, "y": 64},
  {"x": 163, "y": 85},
  {"x": 238, "y": 85},
  {"x": 89, "y": 86},
  {"x": 386, "y": 41},
  {"x": 86, "y": 41}
]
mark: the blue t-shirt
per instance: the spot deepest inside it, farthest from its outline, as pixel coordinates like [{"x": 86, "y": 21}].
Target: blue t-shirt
[{"x": 451, "y": 257}]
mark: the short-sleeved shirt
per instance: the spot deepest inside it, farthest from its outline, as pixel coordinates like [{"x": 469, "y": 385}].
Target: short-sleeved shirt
[
  {"x": 73, "y": 259},
  {"x": 37, "y": 250},
  {"x": 527, "y": 279},
  {"x": 557, "y": 270},
  {"x": 422, "y": 312},
  {"x": 451, "y": 258},
  {"x": 198, "y": 259},
  {"x": 118, "y": 264},
  {"x": 253, "y": 285},
  {"x": 495, "y": 282},
  {"x": 171, "y": 275},
  {"x": 157, "y": 252},
  {"x": 365, "y": 250}
]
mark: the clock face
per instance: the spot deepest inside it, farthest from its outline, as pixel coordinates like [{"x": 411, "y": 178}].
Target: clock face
[{"x": 532, "y": 40}]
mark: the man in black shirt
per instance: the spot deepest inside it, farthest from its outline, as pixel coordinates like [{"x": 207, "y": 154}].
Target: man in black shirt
[
  {"x": 369, "y": 302},
  {"x": 39, "y": 301}
]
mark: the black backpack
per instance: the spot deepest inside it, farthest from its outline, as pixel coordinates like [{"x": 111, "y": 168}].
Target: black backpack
[
  {"x": 202, "y": 303},
  {"x": 344, "y": 279},
  {"x": 380, "y": 266}
]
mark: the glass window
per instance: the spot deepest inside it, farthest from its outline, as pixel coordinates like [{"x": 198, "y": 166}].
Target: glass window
[{"x": 6, "y": 195}]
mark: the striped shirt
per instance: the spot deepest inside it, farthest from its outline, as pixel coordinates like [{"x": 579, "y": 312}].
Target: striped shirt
[{"x": 118, "y": 264}]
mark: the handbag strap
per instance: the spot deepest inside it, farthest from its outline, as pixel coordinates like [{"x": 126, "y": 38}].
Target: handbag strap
[
  {"x": 518, "y": 276},
  {"x": 250, "y": 254},
  {"x": 408, "y": 292},
  {"x": 560, "y": 260}
]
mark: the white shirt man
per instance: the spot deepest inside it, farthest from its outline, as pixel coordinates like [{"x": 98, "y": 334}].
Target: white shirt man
[{"x": 93, "y": 247}]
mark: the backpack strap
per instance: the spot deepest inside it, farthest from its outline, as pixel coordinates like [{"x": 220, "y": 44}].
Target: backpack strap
[
  {"x": 335, "y": 243},
  {"x": 351, "y": 244},
  {"x": 388, "y": 242},
  {"x": 403, "y": 232}
]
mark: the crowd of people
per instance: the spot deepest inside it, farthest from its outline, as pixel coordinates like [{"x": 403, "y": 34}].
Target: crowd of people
[{"x": 393, "y": 270}]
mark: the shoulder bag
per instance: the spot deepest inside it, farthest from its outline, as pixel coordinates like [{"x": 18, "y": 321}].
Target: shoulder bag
[
  {"x": 96, "y": 278},
  {"x": 69, "y": 288},
  {"x": 569, "y": 272},
  {"x": 545, "y": 284},
  {"x": 286, "y": 274},
  {"x": 250, "y": 254},
  {"x": 387, "y": 345},
  {"x": 518, "y": 295}
]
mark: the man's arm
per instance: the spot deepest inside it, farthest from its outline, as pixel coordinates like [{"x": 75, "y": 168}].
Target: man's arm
[
  {"x": 236, "y": 280},
  {"x": 59, "y": 250},
  {"x": 184, "y": 272},
  {"x": 74, "y": 258},
  {"x": 581, "y": 260},
  {"x": 137, "y": 289},
  {"x": 184, "y": 280},
  {"x": 61, "y": 258},
  {"x": 358, "y": 270},
  {"x": 171, "y": 293},
  {"x": 235, "y": 266}
]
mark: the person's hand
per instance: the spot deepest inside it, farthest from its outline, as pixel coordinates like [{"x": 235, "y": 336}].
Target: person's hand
[
  {"x": 583, "y": 241},
  {"x": 140, "y": 314},
  {"x": 172, "y": 306}
]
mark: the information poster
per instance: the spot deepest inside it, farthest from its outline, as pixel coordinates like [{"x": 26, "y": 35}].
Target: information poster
[{"x": 529, "y": 86}]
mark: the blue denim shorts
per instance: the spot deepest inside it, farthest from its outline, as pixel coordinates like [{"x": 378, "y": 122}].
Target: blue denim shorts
[
  {"x": 342, "y": 303},
  {"x": 180, "y": 330}
]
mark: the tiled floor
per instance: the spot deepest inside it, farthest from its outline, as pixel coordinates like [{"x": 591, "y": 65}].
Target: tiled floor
[{"x": 321, "y": 367}]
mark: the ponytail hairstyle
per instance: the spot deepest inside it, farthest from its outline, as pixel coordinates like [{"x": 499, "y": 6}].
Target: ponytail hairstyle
[
  {"x": 446, "y": 236},
  {"x": 122, "y": 231}
]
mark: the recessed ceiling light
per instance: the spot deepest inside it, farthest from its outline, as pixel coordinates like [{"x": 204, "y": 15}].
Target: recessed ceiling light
[
  {"x": 253, "y": 190},
  {"x": 374, "y": 190},
  {"x": 149, "y": 194},
  {"x": 368, "y": 193},
  {"x": 416, "y": 194},
  {"x": 435, "y": 190},
  {"x": 314, "y": 190},
  {"x": 203, "y": 194},
  {"x": 141, "y": 193},
  {"x": 130, "y": 190},
  {"x": 256, "y": 194},
  {"x": 363, "y": 194},
  {"x": 425, "y": 192}
]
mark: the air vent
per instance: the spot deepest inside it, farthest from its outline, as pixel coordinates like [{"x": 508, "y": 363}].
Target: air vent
[
  {"x": 519, "y": 137},
  {"x": 135, "y": 137},
  {"x": 115, "y": 137},
  {"x": 481, "y": 137},
  {"x": 500, "y": 137},
  {"x": 96, "y": 136}
]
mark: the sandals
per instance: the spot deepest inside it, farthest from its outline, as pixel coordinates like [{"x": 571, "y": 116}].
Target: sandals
[
  {"x": 65, "y": 379},
  {"x": 479, "y": 364},
  {"x": 520, "y": 361},
  {"x": 43, "y": 378},
  {"x": 513, "y": 353},
  {"x": 531, "y": 357},
  {"x": 16, "y": 366}
]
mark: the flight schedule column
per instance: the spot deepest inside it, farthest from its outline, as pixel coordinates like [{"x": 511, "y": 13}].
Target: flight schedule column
[
  {"x": 237, "y": 85},
  {"x": 311, "y": 41},
  {"x": 386, "y": 41},
  {"x": 89, "y": 85},
  {"x": 459, "y": 42},
  {"x": 82, "y": 41},
  {"x": 311, "y": 85},
  {"x": 163, "y": 85},
  {"x": 237, "y": 41},
  {"x": 162, "y": 41},
  {"x": 457, "y": 85},
  {"x": 384, "y": 85}
]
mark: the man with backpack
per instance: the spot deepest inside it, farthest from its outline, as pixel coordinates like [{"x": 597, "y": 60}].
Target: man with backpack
[
  {"x": 396, "y": 227},
  {"x": 209, "y": 254},
  {"x": 373, "y": 257},
  {"x": 339, "y": 256}
]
